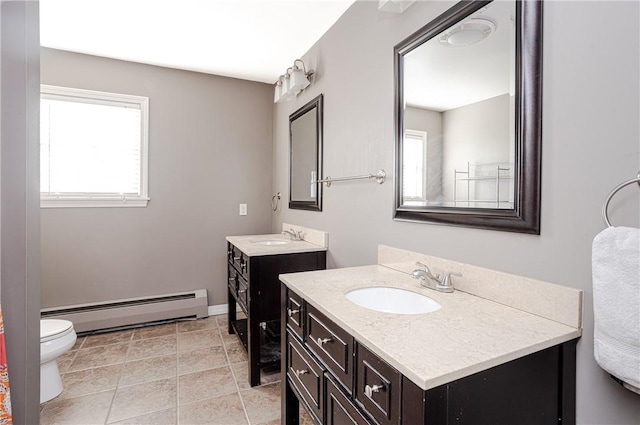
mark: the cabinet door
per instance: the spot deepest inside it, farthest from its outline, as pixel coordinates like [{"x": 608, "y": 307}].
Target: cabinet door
[
  {"x": 377, "y": 387},
  {"x": 340, "y": 410}
]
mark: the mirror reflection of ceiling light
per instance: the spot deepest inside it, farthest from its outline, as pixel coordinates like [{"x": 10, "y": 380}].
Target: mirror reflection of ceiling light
[{"x": 468, "y": 33}]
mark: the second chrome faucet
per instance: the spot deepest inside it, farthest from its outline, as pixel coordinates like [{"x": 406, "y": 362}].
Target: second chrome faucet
[{"x": 431, "y": 281}]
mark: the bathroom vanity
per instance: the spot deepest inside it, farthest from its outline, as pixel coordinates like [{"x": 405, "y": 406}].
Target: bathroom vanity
[
  {"x": 254, "y": 263},
  {"x": 472, "y": 361}
]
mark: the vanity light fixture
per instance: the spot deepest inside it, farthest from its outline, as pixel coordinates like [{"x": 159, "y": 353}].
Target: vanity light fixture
[
  {"x": 294, "y": 80},
  {"x": 468, "y": 33}
]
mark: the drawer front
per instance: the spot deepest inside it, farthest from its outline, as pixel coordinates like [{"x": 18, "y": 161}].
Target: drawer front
[
  {"x": 239, "y": 260},
  {"x": 294, "y": 313},
  {"x": 243, "y": 294},
  {"x": 377, "y": 387},
  {"x": 332, "y": 345},
  {"x": 340, "y": 410},
  {"x": 232, "y": 280},
  {"x": 306, "y": 375}
]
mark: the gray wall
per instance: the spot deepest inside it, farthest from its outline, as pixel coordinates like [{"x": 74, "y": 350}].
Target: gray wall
[
  {"x": 19, "y": 204},
  {"x": 590, "y": 144},
  {"x": 210, "y": 149}
]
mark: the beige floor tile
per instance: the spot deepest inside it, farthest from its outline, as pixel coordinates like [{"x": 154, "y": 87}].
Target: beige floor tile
[
  {"x": 65, "y": 360},
  {"x": 262, "y": 403},
  {"x": 150, "y": 369},
  {"x": 241, "y": 373},
  {"x": 86, "y": 410},
  {"x": 79, "y": 341},
  {"x": 222, "y": 321},
  {"x": 236, "y": 352},
  {"x": 225, "y": 410},
  {"x": 206, "y": 384},
  {"x": 198, "y": 325},
  {"x": 99, "y": 356},
  {"x": 189, "y": 341},
  {"x": 305, "y": 419},
  {"x": 89, "y": 381},
  {"x": 108, "y": 338},
  {"x": 228, "y": 338},
  {"x": 203, "y": 359},
  {"x": 141, "y": 399},
  {"x": 151, "y": 347},
  {"x": 163, "y": 417},
  {"x": 154, "y": 331}
]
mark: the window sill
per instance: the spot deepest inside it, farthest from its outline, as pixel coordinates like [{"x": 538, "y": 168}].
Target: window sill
[{"x": 72, "y": 202}]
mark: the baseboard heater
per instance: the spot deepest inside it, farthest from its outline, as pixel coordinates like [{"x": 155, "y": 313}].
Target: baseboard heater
[{"x": 132, "y": 311}]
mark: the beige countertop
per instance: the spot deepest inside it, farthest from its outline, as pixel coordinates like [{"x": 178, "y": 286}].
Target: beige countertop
[
  {"x": 247, "y": 245},
  {"x": 466, "y": 335}
]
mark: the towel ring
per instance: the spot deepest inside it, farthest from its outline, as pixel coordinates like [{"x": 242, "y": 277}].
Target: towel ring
[{"x": 605, "y": 214}]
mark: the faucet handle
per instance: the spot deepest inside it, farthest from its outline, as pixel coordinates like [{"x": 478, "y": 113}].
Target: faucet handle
[
  {"x": 426, "y": 268},
  {"x": 446, "y": 279}
]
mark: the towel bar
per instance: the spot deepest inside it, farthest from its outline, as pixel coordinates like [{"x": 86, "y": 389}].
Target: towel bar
[{"x": 605, "y": 214}]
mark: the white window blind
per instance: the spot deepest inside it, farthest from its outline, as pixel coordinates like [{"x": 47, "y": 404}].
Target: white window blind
[{"x": 93, "y": 148}]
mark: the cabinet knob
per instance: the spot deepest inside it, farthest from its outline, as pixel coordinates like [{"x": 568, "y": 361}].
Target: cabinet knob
[
  {"x": 292, "y": 312},
  {"x": 242, "y": 291},
  {"x": 321, "y": 341},
  {"x": 236, "y": 258},
  {"x": 369, "y": 390},
  {"x": 232, "y": 279},
  {"x": 301, "y": 372}
]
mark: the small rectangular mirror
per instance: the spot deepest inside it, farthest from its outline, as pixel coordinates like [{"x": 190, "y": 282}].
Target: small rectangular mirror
[{"x": 305, "y": 162}]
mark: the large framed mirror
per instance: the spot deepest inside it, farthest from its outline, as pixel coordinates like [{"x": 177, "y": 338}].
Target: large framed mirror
[
  {"x": 468, "y": 118},
  {"x": 305, "y": 160}
]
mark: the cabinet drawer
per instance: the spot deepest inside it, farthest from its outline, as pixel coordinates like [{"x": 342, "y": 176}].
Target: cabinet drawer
[
  {"x": 232, "y": 280},
  {"x": 293, "y": 310},
  {"x": 243, "y": 294},
  {"x": 340, "y": 410},
  {"x": 377, "y": 387},
  {"x": 239, "y": 260},
  {"x": 306, "y": 375},
  {"x": 333, "y": 345}
]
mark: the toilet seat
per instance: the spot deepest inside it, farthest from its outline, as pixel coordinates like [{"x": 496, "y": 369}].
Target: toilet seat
[{"x": 51, "y": 329}]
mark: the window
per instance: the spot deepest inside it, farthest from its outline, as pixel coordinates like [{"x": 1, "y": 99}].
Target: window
[
  {"x": 414, "y": 165},
  {"x": 93, "y": 148}
]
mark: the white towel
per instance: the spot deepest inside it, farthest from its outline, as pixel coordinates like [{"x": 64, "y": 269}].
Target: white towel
[{"x": 616, "y": 302}]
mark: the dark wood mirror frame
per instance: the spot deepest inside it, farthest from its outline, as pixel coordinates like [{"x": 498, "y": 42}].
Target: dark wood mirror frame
[
  {"x": 525, "y": 216},
  {"x": 316, "y": 205}
]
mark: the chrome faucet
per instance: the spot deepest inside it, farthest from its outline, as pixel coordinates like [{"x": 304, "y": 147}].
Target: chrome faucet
[
  {"x": 293, "y": 234},
  {"x": 428, "y": 280}
]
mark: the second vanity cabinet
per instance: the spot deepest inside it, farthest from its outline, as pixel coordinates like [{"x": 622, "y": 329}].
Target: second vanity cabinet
[
  {"x": 340, "y": 381},
  {"x": 253, "y": 285}
]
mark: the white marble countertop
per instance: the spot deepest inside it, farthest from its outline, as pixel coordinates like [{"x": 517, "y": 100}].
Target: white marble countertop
[
  {"x": 467, "y": 335},
  {"x": 247, "y": 245}
]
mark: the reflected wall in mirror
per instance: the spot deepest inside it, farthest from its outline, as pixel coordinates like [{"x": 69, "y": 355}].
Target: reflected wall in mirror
[
  {"x": 305, "y": 161},
  {"x": 468, "y": 117}
]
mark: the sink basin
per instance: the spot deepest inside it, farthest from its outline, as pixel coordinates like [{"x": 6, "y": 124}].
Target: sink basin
[
  {"x": 270, "y": 242},
  {"x": 392, "y": 300}
]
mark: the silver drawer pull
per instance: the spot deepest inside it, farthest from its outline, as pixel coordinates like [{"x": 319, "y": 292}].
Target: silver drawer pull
[
  {"x": 236, "y": 258},
  {"x": 292, "y": 312},
  {"x": 232, "y": 279},
  {"x": 301, "y": 372},
  {"x": 321, "y": 341},
  {"x": 369, "y": 390},
  {"x": 242, "y": 291}
]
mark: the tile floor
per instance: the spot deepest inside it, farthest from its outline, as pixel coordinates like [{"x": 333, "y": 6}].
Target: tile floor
[{"x": 178, "y": 373}]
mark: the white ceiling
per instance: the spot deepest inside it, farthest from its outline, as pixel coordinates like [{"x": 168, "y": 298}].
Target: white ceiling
[{"x": 249, "y": 39}]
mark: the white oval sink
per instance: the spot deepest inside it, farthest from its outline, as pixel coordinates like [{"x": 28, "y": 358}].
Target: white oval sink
[
  {"x": 392, "y": 300},
  {"x": 270, "y": 242}
]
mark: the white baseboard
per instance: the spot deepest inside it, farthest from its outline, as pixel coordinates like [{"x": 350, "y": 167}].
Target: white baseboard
[{"x": 216, "y": 310}]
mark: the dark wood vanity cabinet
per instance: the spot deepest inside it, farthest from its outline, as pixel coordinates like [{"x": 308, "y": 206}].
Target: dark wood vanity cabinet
[
  {"x": 253, "y": 285},
  {"x": 341, "y": 382}
]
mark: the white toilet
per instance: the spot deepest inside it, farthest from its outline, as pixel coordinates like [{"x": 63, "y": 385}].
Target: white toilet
[{"x": 56, "y": 338}]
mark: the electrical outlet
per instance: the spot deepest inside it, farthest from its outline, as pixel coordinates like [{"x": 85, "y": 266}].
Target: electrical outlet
[{"x": 243, "y": 209}]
